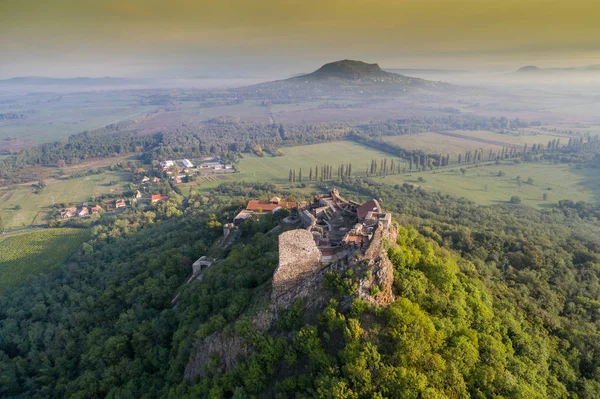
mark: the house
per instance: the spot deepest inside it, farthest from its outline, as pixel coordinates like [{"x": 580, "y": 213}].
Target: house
[
  {"x": 68, "y": 212},
  {"x": 138, "y": 194},
  {"x": 96, "y": 209},
  {"x": 120, "y": 203},
  {"x": 166, "y": 164},
  {"x": 185, "y": 163},
  {"x": 274, "y": 204},
  {"x": 371, "y": 205},
  {"x": 157, "y": 197},
  {"x": 156, "y": 180},
  {"x": 145, "y": 179},
  {"x": 83, "y": 212}
]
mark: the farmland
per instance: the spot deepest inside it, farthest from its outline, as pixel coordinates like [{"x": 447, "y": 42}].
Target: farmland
[
  {"x": 486, "y": 184},
  {"x": 26, "y": 255},
  {"x": 276, "y": 169},
  {"x": 459, "y": 141},
  {"x": 35, "y": 205},
  {"x": 58, "y": 116},
  {"x": 493, "y": 184}
]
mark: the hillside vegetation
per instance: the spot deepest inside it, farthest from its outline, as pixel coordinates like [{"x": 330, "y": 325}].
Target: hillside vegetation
[{"x": 490, "y": 302}]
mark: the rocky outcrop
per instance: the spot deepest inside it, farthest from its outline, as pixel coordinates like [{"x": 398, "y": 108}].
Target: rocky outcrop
[
  {"x": 299, "y": 264},
  {"x": 376, "y": 287},
  {"x": 300, "y": 271},
  {"x": 228, "y": 349}
]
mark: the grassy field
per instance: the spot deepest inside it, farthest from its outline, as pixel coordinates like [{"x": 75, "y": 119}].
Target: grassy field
[
  {"x": 27, "y": 255},
  {"x": 62, "y": 115},
  {"x": 480, "y": 184},
  {"x": 276, "y": 169},
  {"x": 484, "y": 185},
  {"x": 36, "y": 207},
  {"x": 435, "y": 143},
  {"x": 525, "y": 136},
  {"x": 440, "y": 143}
]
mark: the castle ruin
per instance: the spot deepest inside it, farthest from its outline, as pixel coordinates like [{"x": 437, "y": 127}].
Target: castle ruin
[{"x": 335, "y": 234}]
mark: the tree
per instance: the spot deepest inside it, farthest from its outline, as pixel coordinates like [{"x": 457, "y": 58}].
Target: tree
[
  {"x": 310, "y": 175},
  {"x": 291, "y": 176},
  {"x": 300, "y": 175},
  {"x": 545, "y": 196},
  {"x": 1, "y": 225},
  {"x": 515, "y": 199}
]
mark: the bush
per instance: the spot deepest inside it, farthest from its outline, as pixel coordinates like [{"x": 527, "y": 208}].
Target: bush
[{"x": 515, "y": 199}]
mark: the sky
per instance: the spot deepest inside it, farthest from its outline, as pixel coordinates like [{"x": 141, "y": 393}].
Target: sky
[{"x": 153, "y": 38}]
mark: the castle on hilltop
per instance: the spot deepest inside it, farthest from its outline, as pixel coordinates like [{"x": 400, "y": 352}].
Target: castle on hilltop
[{"x": 334, "y": 234}]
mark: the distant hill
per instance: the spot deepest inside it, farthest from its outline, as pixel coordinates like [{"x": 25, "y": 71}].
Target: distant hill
[
  {"x": 348, "y": 70},
  {"x": 340, "y": 78},
  {"x": 535, "y": 69},
  {"x": 529, "y": 69},
  {"x": 425, "y": 71}
]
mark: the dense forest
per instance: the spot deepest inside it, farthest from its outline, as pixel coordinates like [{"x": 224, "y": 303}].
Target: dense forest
[{"x": 498, "y": 301}]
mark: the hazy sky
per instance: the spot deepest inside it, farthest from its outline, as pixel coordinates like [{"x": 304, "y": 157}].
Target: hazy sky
[{"x": 258, "y": 37}]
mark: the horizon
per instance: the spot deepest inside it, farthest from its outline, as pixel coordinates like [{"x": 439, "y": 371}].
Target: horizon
[{"x": 132, "y": 38}]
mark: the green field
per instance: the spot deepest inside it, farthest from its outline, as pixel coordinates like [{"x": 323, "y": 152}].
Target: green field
[
  {"x": 276, "y": 169},
  {"x": 62, "y": 115},
  {"x": 29, "y": 254},
  {"x": 480, "y": 184},
  {"x": 440, "y": 143},
  {"x": 36, "y": 207},
  {"x": 557, "y": 181}
]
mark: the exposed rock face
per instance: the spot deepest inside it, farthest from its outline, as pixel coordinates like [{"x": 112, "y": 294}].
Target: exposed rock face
[
  {"x": 300, "y": 272},
  {"x": 228, "y": 349},
  {"x": 299, "y": 263},
  {"x": 381, "y": 268}
]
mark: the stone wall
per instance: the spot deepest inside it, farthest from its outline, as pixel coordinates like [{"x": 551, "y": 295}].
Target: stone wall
[{"x": 299, "y": 263}]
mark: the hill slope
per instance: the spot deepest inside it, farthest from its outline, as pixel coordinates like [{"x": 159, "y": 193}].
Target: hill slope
[{"x": 341, "y": 79}]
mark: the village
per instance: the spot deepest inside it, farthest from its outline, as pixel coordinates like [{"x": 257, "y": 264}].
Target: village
[{"x": 147, "y": 191}]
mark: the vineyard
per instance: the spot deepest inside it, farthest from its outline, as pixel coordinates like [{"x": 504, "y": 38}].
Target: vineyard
[{"x": 27, "y": 255}]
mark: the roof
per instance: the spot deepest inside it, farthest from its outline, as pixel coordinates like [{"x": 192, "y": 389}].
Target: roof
[
  {"x": 255, "y": 205},
  {"x": 370, "y": 206},
  {"x": 158, "y": 197},
  {"x": 275, "y": 200}
]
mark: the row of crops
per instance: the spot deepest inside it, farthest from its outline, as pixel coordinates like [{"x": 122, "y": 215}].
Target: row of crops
[{"x": 27, "y": 255}]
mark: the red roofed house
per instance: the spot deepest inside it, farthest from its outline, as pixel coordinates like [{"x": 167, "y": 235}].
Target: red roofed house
[
  {"x": 158, "y": 197},
  {"x": 258, "y": 207},
  {"x": 120, "y": 203},
  {"x": 68, "y": 213},
  {"x": 370, "y": 206},
  {"x": 96, "y": 209},
  {"x": 84, "y": 212}
]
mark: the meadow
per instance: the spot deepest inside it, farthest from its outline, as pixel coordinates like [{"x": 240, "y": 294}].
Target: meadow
[
  {"x": 492, "y": 184},
  {"x": 36, "y": 205},
  {"x": 485, "y": 184},
  {"x": 276, "y": 169},
  {"x": 29, "y": 254},
  {"x": 66, "y": 114},
  {"x": 459, "y": 141}
]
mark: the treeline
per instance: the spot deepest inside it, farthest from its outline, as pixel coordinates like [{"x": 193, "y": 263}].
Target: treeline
[
  {"x": 441, "y": 123},
  {"x": 99, "y": 143},
  {"x": 18, "y": 115}
]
